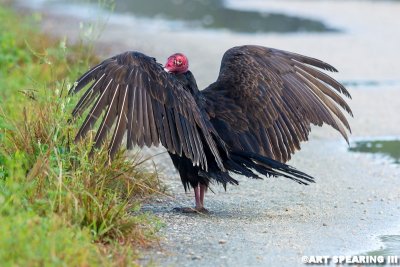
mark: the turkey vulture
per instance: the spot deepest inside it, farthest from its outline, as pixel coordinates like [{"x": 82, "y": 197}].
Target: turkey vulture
[{"x": 248, "y": 122}]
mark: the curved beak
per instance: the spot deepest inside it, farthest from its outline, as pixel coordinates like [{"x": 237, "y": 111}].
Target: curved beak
[{"x": 168, "y": 66}]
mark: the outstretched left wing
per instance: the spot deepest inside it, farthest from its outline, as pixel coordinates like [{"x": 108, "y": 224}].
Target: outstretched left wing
[{"x": 134, "y": 94}]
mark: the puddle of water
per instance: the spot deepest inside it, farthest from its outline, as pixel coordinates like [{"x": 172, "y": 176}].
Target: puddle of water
[
  {"x": 389, "y": 148},
  {"x": 213, "y": 14},
  {"x": 390, "y": 247},
  {"x": 386, "y": 148},
  {"x": 371, "y": 83}
]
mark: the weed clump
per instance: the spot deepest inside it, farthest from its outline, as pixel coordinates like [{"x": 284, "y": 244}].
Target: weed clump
[{"x": 58, "y": 206}]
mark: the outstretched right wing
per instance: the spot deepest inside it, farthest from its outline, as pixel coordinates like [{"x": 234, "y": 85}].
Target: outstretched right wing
[
  {"x": 134, "y": 93},
  {"x": 266, "y": 99}
]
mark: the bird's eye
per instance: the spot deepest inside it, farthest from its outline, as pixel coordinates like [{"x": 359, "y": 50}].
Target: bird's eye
[{"x": 178, "y": 62}]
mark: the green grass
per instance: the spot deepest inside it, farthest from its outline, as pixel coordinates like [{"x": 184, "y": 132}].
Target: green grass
[{"x": 58, "y": 206}]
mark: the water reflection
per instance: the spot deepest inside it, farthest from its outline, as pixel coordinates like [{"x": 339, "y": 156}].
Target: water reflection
[
  {"x": 213, "y": 14},
  {"x": 388, "y": 148},
  {"x": 391, "y": 247},
  {"x": 371, "y": 83}
]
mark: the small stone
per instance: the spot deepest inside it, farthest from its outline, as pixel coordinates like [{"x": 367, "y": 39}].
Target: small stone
[
  {"x": 324, "y": 224},
  {"x": 222, "y": 241},
  {"x": 196, "y": 257}
]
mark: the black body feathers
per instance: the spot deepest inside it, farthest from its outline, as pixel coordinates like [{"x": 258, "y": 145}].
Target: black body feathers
[{"x": 249, "y": 122}]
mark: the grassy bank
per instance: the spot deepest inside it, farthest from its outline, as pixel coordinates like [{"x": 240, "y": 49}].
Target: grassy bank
[{"x": 58, "y": 207}]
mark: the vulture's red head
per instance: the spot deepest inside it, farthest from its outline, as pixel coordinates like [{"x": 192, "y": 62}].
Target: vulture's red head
[{"x": 177, "y": 63}]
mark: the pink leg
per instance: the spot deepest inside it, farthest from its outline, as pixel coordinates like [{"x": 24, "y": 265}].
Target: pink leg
[
  {"x": 199, "y": 191},
  {"x": 203, "y": 189},
  {"x": 197, "y": 197}
]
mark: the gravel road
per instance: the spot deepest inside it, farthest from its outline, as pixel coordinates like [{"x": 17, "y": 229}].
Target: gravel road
[{"x": 275, "y": 222}]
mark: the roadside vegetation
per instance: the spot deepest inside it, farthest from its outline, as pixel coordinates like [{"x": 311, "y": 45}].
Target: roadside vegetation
[{"x": 58, "y": 206}]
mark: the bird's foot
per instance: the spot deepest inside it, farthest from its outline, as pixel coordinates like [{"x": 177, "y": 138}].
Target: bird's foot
[{"x": 200, "y": 210}]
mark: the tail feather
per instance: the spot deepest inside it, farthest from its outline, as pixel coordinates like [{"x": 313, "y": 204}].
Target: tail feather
[
  {"x": 221, "y": 177},
  {"x": 245, "y": 163}
]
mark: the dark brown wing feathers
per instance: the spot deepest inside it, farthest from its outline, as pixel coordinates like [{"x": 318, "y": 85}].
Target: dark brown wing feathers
[
  {"x": 134, "y": 95},
  {"x": 266, "y": 99}
]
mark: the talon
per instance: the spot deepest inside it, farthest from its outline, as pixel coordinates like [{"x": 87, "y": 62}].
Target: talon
[{"x": 201, "y": 210}]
